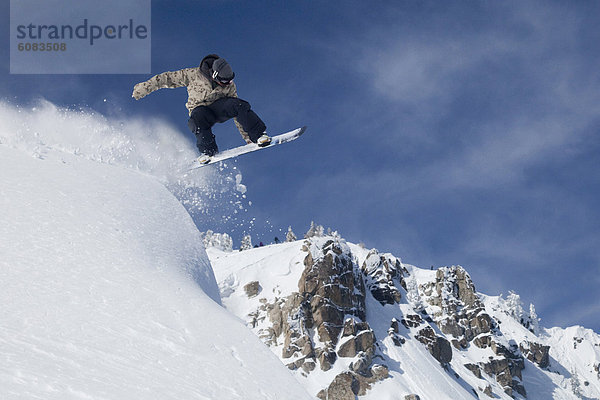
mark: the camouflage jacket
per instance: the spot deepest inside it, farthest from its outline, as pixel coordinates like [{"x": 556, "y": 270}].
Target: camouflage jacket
[{"x": 201, "y": 90}]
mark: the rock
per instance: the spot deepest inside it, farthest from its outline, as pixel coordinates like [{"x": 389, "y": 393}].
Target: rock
[
  {"x": 482, "y": 323},
  {"x": 536, "y": 353},
  {"x": 293, "y": 343},
  {"x": 515, "y": 361},
  {"x": 361, "y": 366},
  {"x": 252, "y": 289},
  {"x": 380, "y": 372},
  {"x": 349, "y": 327},
  {"x": 303, "y": 363},
  {"x": 505, "y": 369},
  {"x": 460, "y": 344},
  {"x": 439, "y": 347},
  {"x": 475, "y": 369},
  {"x": 363, "y": 341},
  {"x": 325, "y": 312},
  {"x": 450, "y": 326},
  {"x": 381, "y": 272},
  {"x": 519, "y": 388},
  {"x": 488, "y": 391},
  {"x": 336, "y": 294},
  {"x": 309, "y": 366},
  {"x": 499, "y": 368},
  {"x": 366, "y": 341},
  {"x": 398, "y": 341},
  {"x": 331, "y": 288},
  {"x": 412, "y": 321},
  {"x": 412, "y": 397},
  {"x": 345, "y": 386},
  {"x": 393, "y": 333},
  {"x": 442, "y": 351},
  {"x": 329, "y": 333},
  {"x": 386, "y": 293},
  {"x": 483, "y": 342},
  {"x": 307, "y": 349},
  {"x": 326, "y": 358},
  {"x": 461, "y": 315},
  {"x": 348, "y": 348},
  {"x": 394, "y": 325},
  {"x": 368, "y": 377}
]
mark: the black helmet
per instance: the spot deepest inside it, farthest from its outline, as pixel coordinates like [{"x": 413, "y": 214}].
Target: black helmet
[{"x": 222, "y": 72}]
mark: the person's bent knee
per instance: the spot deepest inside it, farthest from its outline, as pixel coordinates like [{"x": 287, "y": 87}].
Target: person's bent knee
[
  {"x": 201, "y": 118},
  {"x": 192, "y": 125}
]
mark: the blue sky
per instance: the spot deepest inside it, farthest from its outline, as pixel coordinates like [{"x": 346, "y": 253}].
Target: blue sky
[{"x": 443, "y": 132}]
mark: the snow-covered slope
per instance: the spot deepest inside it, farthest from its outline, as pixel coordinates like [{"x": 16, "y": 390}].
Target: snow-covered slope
[
  {"x": 106, "y": 292},
  {"x": 437, "y": 337}
]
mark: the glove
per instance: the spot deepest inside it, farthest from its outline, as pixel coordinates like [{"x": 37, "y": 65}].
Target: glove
[{"x": 139, "y": 91}]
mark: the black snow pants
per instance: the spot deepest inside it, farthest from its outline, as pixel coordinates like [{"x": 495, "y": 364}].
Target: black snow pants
[{"x": 203, "y": 118}]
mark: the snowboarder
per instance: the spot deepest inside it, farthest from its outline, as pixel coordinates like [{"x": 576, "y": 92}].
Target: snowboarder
[{"x": 212, "y": 98}]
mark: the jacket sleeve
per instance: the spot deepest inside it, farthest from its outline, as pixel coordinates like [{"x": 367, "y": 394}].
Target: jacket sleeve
[{"x": 169, "y": 79}]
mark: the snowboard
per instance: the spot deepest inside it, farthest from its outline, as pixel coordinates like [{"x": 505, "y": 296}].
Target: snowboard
[{"x": 250, "y": 147}]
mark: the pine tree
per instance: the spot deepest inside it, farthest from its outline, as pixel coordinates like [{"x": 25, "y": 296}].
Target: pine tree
[
  {"x": 221, "y": 241},
  {"x": 290, "y": 236},
  {"x": 534, "y": 321},
  {"x": 412, "y": 294},
  {"x": 311, "y": 230},
  {"x": 315, "y": 230},
  {"x": 320, "y": 231},
  {"x": 246, "y": 243},
  {"x": 515, "y": 307}
]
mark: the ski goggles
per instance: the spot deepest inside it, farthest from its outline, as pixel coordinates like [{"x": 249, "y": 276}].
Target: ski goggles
[{"x": 220, "y": 80}]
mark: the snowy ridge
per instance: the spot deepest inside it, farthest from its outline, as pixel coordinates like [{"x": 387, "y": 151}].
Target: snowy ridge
[
  {"x": 437, "y": 337},
  {"x": 107, "y": 292}
]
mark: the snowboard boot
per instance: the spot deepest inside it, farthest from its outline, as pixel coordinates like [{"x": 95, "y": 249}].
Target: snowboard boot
[
  {"x": 204, "y": 159},
  {"x": 207, "y": 146},
  {"x": 264, "y": 140}
]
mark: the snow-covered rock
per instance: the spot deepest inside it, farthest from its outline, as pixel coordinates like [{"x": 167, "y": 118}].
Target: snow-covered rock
[{"x": 349, "y": 321}]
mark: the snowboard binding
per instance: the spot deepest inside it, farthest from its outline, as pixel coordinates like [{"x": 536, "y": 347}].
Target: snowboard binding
[{"x": 263, "y": 141}]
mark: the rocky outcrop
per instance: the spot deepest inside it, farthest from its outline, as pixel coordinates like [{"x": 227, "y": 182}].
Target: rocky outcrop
[
  {"x": 458, "y": 310},
  {"x": 506, "y": 368},
  {"x": 345, "y": 386},
  {"x": 501, "y": 369},
  {"x": 324, "y": 324},
  {"x": 356, "y": 337},
  {"x": 348, "y": 385},
  {"x": 488, "y": 391},
  {"x": 382, "y": 273},
  {"x": 325, "y": 320},
  {"x": 475, "y": 369},
  {"x": 411, "y": 321},
  {"x": 331, "y": 289},
  {"x": 461, "y": 315},
  {"x": 252, "y": 289},
  {"x": 439, "y": 347},
  {"x": 393, "y": 333},
  {"x": 536, "y": 353}
]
